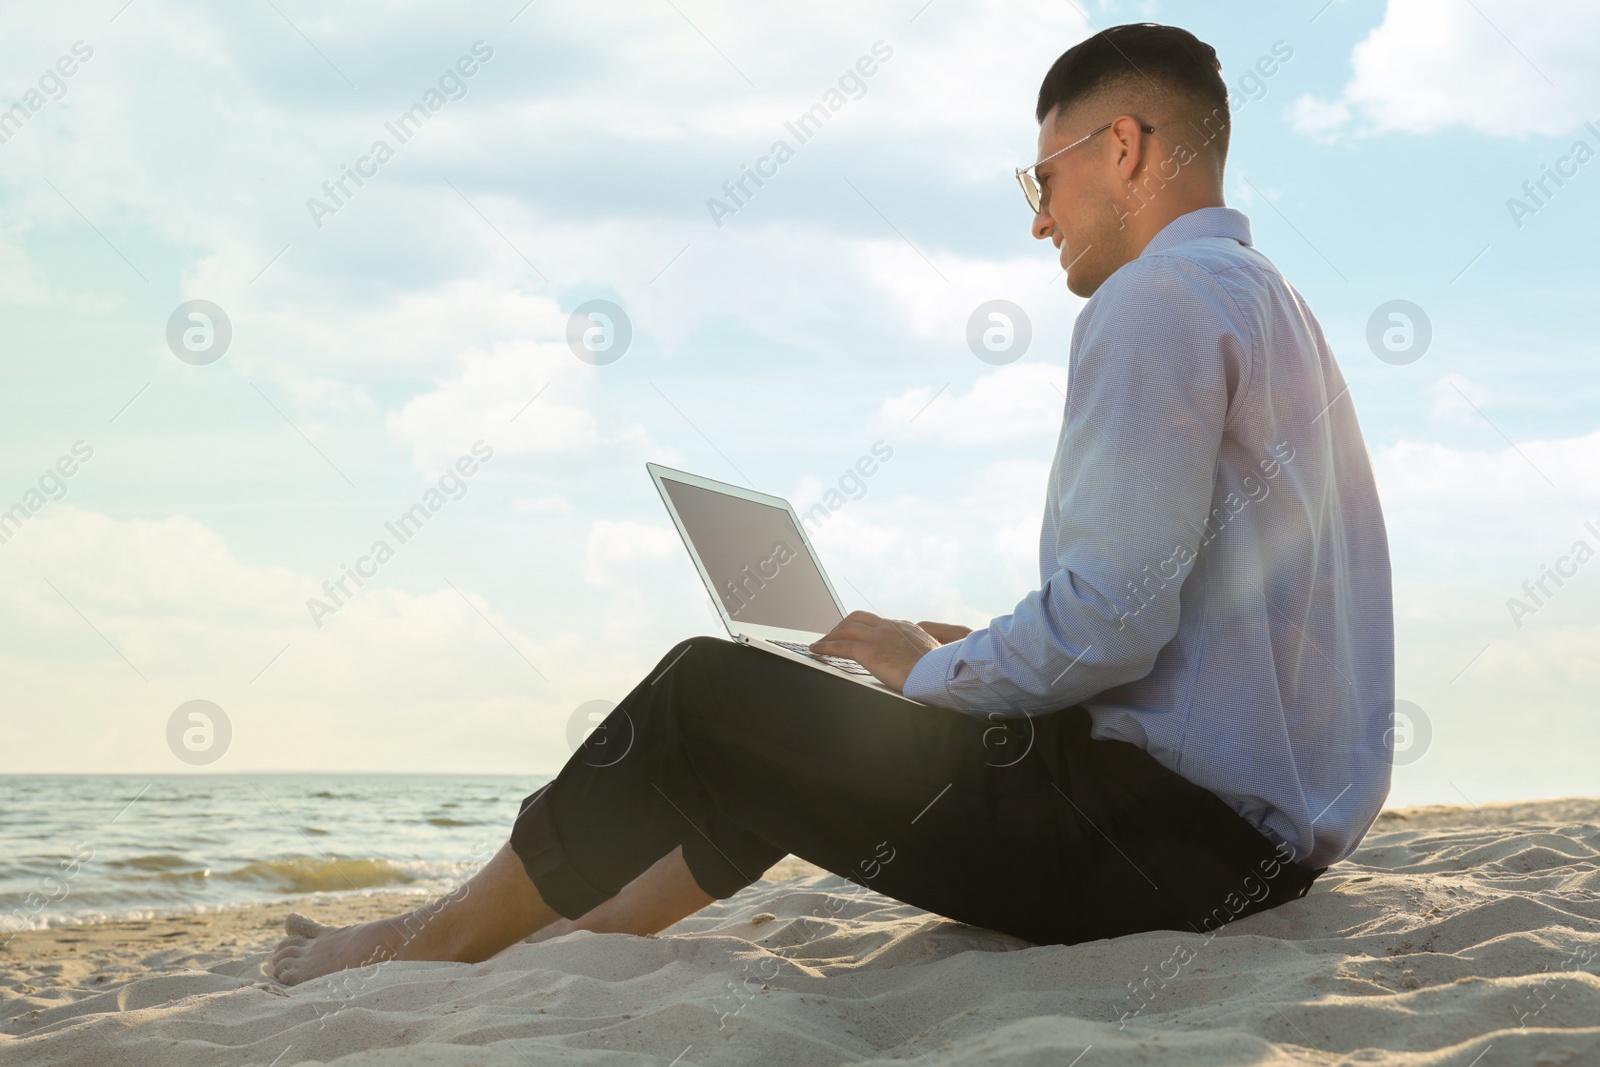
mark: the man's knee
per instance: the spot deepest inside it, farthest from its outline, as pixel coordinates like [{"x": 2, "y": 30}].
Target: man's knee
[
  {"x": 691, "y": 654},
  {"x": 710, "y": 680}
]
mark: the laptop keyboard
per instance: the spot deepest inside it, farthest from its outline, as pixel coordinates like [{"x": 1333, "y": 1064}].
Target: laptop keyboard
[{"x": 849, "y": 666}]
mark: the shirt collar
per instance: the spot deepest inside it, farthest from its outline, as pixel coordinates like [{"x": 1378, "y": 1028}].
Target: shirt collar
[{"x": 1206, "y": 222}]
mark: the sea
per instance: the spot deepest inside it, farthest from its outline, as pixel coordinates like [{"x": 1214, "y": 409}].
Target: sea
[{"x": 97, "y": 848}]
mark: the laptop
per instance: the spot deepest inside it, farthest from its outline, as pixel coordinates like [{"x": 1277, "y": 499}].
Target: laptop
[{"x": 765, "y": 579}]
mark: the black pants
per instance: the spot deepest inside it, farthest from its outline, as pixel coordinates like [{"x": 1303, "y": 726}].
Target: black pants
[{"x": 1026, "y": 826}]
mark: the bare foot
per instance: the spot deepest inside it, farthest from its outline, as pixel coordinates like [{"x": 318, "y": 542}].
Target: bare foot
[{"x": 312, "y": 950}]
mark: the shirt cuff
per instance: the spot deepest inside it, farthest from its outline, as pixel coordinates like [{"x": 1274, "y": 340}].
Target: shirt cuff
[{"x": 926, "y": 683}]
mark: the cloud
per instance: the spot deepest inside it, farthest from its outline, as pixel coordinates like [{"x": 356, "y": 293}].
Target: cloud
[
  {"x": 964, "y": 550},
  {"x": 1462, "y": 516},
  {"x": 613, "y": 546},
  {"x": 934, "y": 296},
  {"x": 542, "y": 505},
  {"x": 1321, "y": 119},
  {"x": 1021, "y": 400},
  {"x": 1458, "y": 400},
  {"x": 144, "y": 615},
  {"x": 1496, "y": 66},
  {"x": 519, "y": 397}
]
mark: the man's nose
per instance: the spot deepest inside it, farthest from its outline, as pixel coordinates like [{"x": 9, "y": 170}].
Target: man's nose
[{"x": 1043, "y": 223}]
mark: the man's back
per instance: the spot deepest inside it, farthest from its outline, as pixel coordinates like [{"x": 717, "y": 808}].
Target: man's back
[
  {"x": 1276, "y": 690},
  {"x": 1213, "y": 564}
]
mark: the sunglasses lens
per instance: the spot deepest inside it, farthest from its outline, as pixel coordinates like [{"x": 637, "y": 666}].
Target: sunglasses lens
[{"x": 1031, "y": 189}]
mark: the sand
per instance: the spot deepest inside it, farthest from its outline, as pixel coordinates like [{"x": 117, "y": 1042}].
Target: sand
[{"x": 1459, "y": 936}]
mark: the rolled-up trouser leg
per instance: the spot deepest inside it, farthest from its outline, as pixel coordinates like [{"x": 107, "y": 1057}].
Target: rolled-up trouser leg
[
  {"x": 1026, "y": 826},
  {"x": 631, "y": 794}
]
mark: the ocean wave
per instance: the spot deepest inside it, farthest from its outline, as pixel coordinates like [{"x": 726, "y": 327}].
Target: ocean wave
[
  {"x": 160, "y": 861},
  {"x": 179, "y": 843},
  {"x": 313, "y": 875},
  {"x": 131, "y": 889},
  {"x": 194, "y": 874}
]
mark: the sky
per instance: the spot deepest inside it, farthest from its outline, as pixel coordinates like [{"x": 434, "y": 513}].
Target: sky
[{"x": 362, "y": 342}]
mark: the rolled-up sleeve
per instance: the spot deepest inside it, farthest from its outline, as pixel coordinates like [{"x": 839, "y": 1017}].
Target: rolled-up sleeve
[{"x": 1157, "y": 364}]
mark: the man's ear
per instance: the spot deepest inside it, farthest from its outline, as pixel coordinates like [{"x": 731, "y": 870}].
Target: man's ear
[{"x": 1126, "y": 130}]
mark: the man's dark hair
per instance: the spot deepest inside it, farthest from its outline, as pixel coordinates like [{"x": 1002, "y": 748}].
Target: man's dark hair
[{"x": 1144, "y": 58}]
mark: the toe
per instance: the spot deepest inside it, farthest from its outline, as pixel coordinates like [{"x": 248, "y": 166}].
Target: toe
[
  {"x": 301, "y": 926},
  {"x": 291, "y": 970},
  {"x": 288, "y": 952}
]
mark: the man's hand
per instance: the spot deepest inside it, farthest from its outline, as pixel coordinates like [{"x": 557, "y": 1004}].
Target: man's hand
[
  {"x": 889, "y": 648},
  {"x": 945, "y": 632}
]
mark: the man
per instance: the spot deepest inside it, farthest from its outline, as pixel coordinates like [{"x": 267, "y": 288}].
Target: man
[{"x": 1185, "y": 723}]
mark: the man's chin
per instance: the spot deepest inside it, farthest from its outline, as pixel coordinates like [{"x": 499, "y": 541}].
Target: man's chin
[
  {"x": 1079, "y": 283},
  {"x": 1070, "y": 262},
  {"x": 1082, "y": 276}
]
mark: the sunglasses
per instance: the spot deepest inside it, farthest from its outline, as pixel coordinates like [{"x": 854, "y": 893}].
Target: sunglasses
[{"x": 1028, "y": 177}]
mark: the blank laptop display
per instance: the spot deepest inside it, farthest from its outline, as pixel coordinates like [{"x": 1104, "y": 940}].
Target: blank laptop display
[{"x": 756, "y": 559}]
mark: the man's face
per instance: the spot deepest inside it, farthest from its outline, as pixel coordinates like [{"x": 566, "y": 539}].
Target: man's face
[{"x": 1079, "y": 213}]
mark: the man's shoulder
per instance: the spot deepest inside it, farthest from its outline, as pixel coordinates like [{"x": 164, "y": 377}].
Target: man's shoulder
[
  {"x": 1190, "y": 280},
  {"x": 1206, "y": 278},
  {"x": 1207, "y": 241},
  {"x": 1199, "y": 257}
]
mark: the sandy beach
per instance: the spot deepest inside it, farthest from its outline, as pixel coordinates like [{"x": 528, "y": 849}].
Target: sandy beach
[{"x": 1455, "y": 936}]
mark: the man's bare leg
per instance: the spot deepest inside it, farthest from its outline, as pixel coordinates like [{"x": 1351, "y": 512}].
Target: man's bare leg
[
  {"x": 649, "y": 904},
  {"x": 496, "y": 908}
]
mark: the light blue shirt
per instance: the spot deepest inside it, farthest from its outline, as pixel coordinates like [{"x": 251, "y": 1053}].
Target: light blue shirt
[{"x": 1213, "y": 564}]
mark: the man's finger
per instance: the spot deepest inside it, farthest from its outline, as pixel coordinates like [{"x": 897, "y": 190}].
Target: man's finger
[
  {"x": 848, "y": 630},
  {"x": 855, "y": 650}
]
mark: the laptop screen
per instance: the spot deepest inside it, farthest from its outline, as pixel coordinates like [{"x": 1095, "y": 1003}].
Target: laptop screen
[{"x": 756, "y": 559}]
